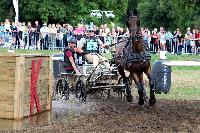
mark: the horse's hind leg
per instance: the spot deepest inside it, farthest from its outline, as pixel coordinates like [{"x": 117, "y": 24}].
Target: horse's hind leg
[
  {"x": 152, "y": 99},
  {"x": 127, "y": 84}
]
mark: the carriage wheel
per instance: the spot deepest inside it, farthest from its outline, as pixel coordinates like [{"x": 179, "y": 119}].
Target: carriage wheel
[
  {"x": 62, "y": 89},
  {"x": 120, "y": 80},
  {"x": 80, "y": 91},
  {"x": 127, "y": 89},
  {"x": 59, "y": 88},
  {"x": 66, "y": 90}
]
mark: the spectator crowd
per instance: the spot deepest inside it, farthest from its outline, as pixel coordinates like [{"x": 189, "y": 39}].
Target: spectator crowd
[{"x": 55, "y": 36}]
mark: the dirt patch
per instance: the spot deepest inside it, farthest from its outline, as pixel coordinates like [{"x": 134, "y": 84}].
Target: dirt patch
[{"x": 115, "y": 115}]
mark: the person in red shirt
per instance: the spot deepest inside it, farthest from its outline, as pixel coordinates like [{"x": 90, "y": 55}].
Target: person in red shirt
[{"x": 69, "y": 57}]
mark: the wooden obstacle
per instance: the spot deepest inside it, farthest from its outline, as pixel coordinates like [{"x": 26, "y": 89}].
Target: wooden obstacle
[{"x": 23, "y": 82}]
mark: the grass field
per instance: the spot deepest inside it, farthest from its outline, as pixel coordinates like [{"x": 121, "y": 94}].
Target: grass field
[{"x": 185, "y": 80}]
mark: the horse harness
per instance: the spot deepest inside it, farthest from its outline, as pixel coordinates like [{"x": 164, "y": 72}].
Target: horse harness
[{"x": 128, "y": 56}]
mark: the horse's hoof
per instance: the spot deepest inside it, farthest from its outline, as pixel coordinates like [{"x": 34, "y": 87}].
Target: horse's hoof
[
  {"x": 129, "y": 98},
  {"x": 141, "y": 101},
  {"x": 152, "y": 101}
]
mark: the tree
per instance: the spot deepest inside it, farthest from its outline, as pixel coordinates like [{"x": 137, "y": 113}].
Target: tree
[
  {"x": 70, "y": 11},
  {"x": 170, "y": 14},
  {"x": 6, "y": 10},
  {"x": 155, "y": 14}
]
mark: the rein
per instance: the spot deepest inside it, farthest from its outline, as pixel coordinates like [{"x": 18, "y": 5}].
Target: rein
[{"x": 128, "y": 39}]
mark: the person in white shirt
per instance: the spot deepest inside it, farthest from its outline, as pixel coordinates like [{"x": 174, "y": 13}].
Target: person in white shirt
[{"x": 44, "y": 34}]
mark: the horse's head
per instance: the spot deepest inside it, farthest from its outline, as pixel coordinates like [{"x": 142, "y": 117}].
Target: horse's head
[{"x": 133, "y": 23}]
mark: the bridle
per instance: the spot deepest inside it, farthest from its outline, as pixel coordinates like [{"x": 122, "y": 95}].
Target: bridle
[{"x": 134, "y": 35}]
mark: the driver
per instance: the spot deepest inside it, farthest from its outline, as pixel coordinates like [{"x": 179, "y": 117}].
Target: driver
[
  {"x": 69, "y": 56},
  {"x": 90, "y": 45}
]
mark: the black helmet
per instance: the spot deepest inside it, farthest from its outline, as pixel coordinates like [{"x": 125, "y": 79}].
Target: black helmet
[{"x": 72, "y": 39}]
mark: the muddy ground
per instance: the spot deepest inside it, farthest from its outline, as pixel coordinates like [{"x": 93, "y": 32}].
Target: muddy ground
[{"x": 116, "y": 115}]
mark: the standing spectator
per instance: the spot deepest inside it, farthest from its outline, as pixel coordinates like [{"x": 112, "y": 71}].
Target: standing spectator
[
  {"x": 146, "y": 34},
  {"x": 30, "y": 33},
  {"x": 169, "y": 37},
  {"x": 24, "y": 30},
  {"x": 187, "y": 41},
  {"x": 192, "y": 41},
  {"x": 63, "y": 31},
  {"x": 154, "y": 41},
  {"x": 79, "y": 33},
  {"x": 198, "y": 43},
  {"x": 70, "y": 32},
  {"x": 15, "y": 37},
  {"x": 1, "y": 33},
  {"x": 36, "y": 33},
  {"x": 177, "y": 40},
  {"x": 159, "y": 38},
  {"x": 7, "y": 31},
  {"x": 59, "y": 34},
  {"x": 44, "y": 33},
  {"x": 53, "y": 35},
  {"x": 162, "y": 41}
]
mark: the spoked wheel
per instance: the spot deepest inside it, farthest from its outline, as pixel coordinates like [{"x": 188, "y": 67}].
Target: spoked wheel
[
  {"x": 62, "y": 89},
  {"x": 129, "y": 96},
  {"x": 80, "y": 91},
  {"x": 66, "y": 90},
  {"x": 59, "y": 87},
  {"x": 127, "y": 89}
]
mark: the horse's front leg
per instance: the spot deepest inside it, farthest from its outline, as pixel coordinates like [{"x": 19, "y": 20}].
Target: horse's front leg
[
  {"x": 138, "y": 79},
  {"x": 152, "y": 99},
  {"x": 126, "y": 81}
]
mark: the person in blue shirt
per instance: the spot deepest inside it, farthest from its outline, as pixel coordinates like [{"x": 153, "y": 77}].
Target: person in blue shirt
[
  {"x": 169, "y": 37},
  {"x": 2, "y": 32}
]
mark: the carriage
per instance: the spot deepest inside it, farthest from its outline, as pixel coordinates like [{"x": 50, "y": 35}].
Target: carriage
[{"x": 91, "y": 80}]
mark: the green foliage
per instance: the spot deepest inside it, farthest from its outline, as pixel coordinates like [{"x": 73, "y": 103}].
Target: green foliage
[
  {"x": 157, "y": 13},
  {"x": 169, "y": 13},
  {"x": 6, "y": 10},
  {"x": 70, "y": 11}
]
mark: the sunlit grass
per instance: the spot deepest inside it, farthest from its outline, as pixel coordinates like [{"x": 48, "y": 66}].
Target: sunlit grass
[{"x": 185, "y": 85}]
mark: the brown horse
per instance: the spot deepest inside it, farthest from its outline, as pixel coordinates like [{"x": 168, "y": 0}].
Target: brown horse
[{"x": 131, "y": 55}]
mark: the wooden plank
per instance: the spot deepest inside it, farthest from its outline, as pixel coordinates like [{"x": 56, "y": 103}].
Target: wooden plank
[
  {"x": 49, "y": 89},
  {"x": 8, "y": 59},
  {"x": 19, "y": 86},
  {"x": 9, "y": 101},
  {"x": 7, "y": 93},
  {"x": 6, "y": 96},
  {"x": 8, "y": 88},
  {"x": 6, "y": 107},
  {"x": 8, "y": 115},
  {"x": 7, "y": 66}
]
